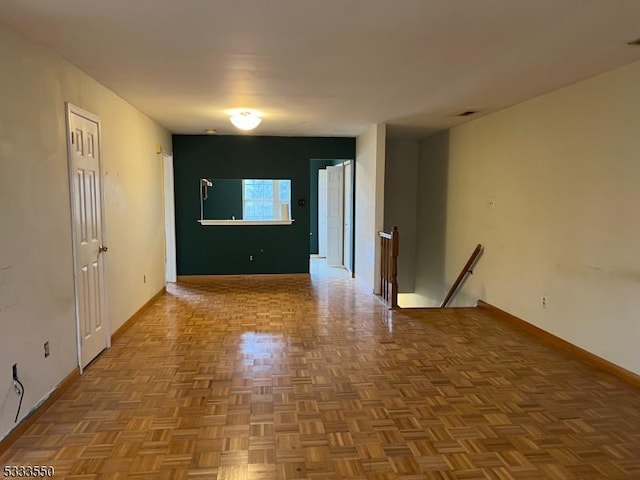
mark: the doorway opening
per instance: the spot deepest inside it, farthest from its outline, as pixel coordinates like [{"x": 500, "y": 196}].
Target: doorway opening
[{"x": 332, "y": 212}]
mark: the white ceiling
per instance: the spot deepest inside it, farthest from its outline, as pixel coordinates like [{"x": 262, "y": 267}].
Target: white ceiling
[{"x": 331, "y": 67}]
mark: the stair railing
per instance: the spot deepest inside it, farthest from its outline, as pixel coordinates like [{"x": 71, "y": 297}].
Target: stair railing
[
  {"x": 467, "y": 270},
  {"x": 389, "y": 243}
]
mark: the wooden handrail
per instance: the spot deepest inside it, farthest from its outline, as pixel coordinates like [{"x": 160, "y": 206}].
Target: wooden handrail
[
  {"x": 468, "y": 269},
  {"x": 389, "y": 245}
]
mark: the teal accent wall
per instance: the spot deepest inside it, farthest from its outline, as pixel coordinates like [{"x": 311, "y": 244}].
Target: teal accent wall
[
  {"x": 210, "y": 250},
  {"x": 224, "y": 199}
]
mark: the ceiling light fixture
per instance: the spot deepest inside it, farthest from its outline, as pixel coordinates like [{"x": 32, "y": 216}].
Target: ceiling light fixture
[
  {"x": 210, "y": 131},
  {"x": 245, "y": 120}
]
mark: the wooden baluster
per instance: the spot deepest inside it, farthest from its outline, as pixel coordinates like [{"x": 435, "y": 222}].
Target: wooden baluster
[
  {"x": 389, "y": 245},
  {"x": 382, "y": 246},
  {"x": 393, "y": 260}
]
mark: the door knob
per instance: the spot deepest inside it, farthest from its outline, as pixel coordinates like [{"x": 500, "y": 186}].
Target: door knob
[{"x": 102, "y": 248}]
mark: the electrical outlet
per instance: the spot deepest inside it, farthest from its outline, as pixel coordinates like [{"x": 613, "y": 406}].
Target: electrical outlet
[
  {"x": 543, "y": 301},
  {"x": 14, "y": 371},
  {"x": 251, "y": 258},
  {"x": 46, "y": 349}
]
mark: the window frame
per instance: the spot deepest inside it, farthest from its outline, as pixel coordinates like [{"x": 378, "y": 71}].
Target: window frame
[{"x": 276, "y": 214}]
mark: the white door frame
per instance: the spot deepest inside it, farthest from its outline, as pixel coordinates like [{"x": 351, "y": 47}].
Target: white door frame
[
  {"x": 69, "y": 110},
  {"x": 169, "y": 219}
]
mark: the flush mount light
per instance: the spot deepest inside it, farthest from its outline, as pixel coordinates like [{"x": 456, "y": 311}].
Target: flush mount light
[{"x": 245, "y": 120}]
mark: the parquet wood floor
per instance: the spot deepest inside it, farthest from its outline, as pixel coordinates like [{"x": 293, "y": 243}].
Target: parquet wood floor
[{"x": 252, "y": 378}]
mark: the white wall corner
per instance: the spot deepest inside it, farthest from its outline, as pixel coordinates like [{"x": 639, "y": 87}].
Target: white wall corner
[
  {"x": 381, "y": 141},
  {"x": 370, "y": 158}
]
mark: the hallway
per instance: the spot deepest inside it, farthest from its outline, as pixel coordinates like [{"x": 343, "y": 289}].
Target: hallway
[{"x": 298, "y": 377}]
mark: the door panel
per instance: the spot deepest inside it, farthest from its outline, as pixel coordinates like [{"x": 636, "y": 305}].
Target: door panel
[
  {"x": 335, "y": 201},
  {"x": 322, "y": 213},
  {"x": 170, "y": 223},
  {"x": 86, "y": 199},
  {"x": 348, "y": 215}
]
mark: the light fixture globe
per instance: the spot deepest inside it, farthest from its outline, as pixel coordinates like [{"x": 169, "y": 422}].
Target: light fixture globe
[{"x": 245, "y": 120}]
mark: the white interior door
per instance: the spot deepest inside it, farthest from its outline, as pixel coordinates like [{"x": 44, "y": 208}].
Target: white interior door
[
  {"x": 335, "y": 215},
  {"x": 169, "y": 220},
  {"x": 88, "y": 245},
  {"x": 322, "y": 213},
  {"x": 348, "y": 215}
]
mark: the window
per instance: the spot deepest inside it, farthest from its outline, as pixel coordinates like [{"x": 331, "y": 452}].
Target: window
[{"x": 266, "y": 199}]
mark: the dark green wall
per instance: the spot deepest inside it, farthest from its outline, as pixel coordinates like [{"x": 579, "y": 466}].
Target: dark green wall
[
  {"x": 313, "y": 200},
  {"x": 224, "y": 199},
  {"x": 206, "y": 250}
]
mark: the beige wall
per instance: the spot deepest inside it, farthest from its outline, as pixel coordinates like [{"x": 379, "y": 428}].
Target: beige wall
[
  {"x": 564, "y": 171},
  {"x": 36, "y": 276},
  {"x": 400, "y": 201},
  {"x": 369, "y": 197},
  {"x": 431, "y": 215}
]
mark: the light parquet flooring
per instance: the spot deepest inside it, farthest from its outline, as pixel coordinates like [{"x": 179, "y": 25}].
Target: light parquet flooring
[{"x": 289, "y": 378}]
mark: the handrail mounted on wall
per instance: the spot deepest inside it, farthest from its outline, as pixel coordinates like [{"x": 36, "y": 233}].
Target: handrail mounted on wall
[{"x": 466, "y": 270}]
